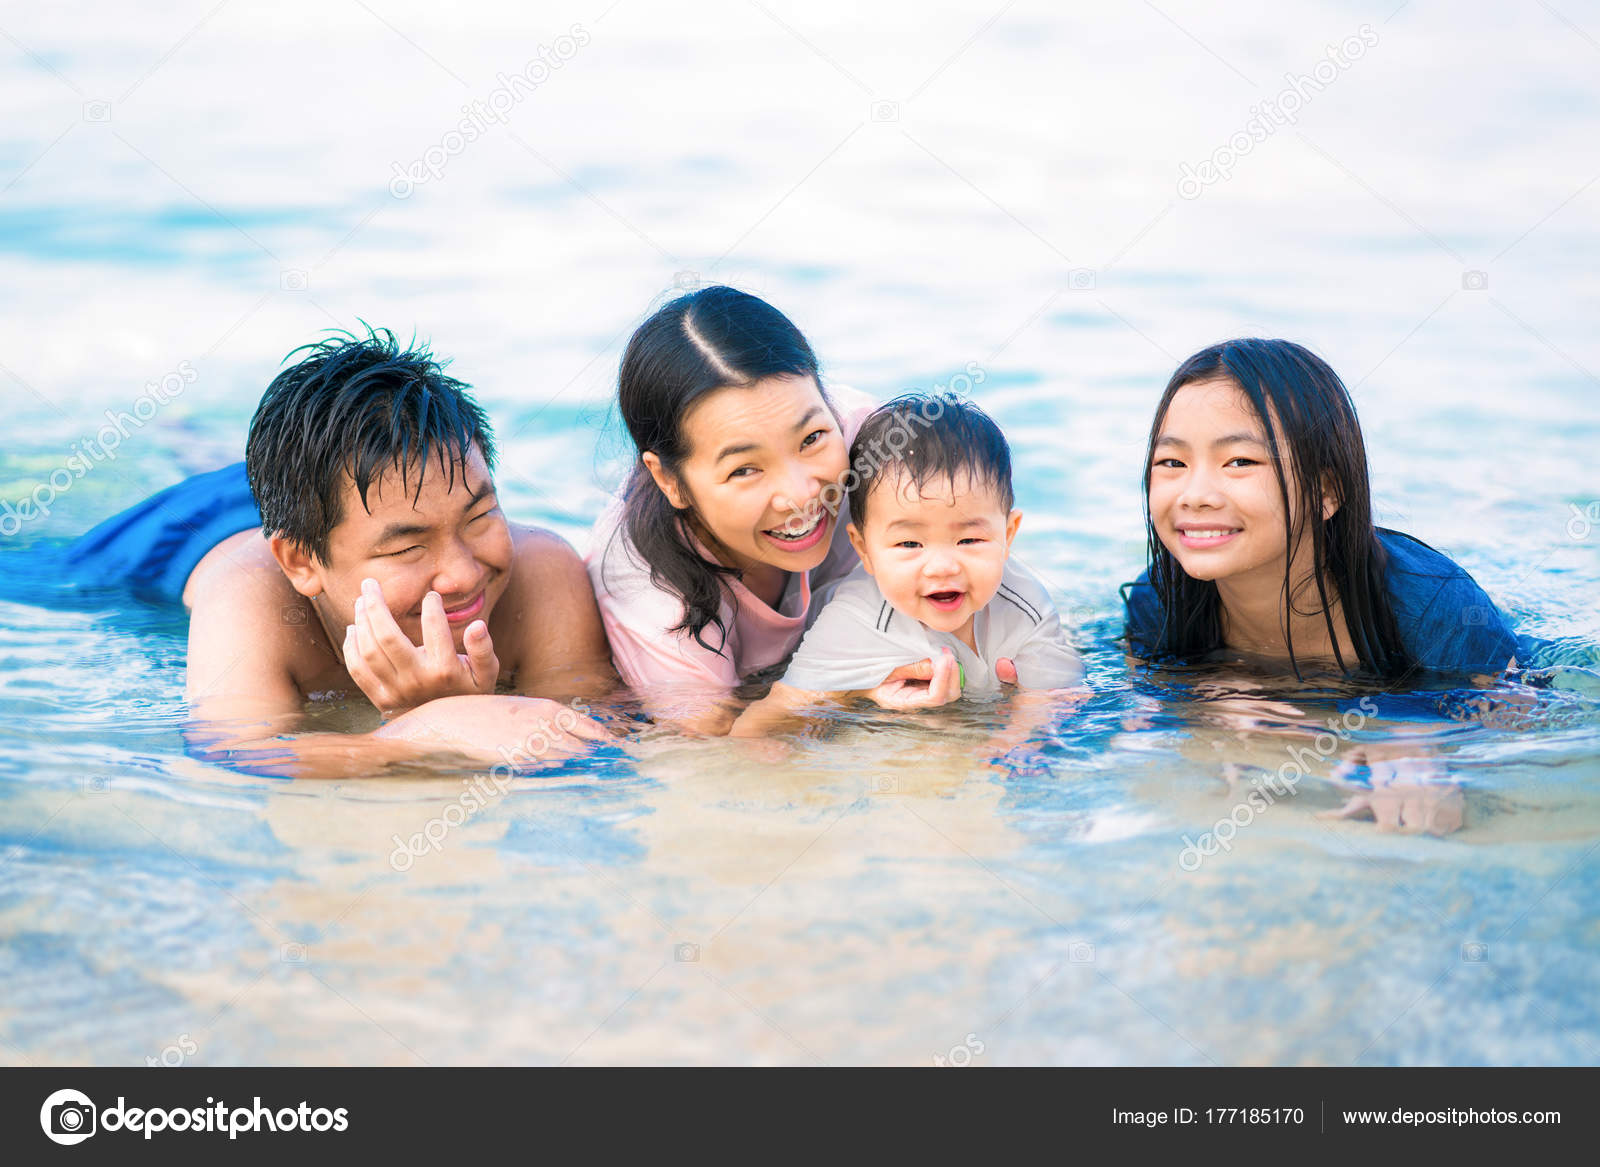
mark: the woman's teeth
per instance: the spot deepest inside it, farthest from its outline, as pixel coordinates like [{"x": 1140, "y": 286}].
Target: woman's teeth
[
  {"x": 1209, "y": 533},
  {"x": 789, "y": 531}
]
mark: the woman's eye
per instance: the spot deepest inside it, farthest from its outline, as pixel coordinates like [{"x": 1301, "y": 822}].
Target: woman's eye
[
  {"x": 402, "y": 551},
  {"x": 1169, "y": 464},
  {"x": 1240, "y": 461},
  {"x": 812, "y": 438},
  {"x": 484, "y": 515},
  {"x": 742, "y": 472}
]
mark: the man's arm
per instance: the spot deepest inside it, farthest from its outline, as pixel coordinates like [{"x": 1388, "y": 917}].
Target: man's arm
[
  {"x": 559, "y": 641},
  {"x": 249, "y": 630}
]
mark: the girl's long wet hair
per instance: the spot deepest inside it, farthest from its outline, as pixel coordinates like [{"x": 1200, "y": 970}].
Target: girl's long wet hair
[
  {"x": 1317, "y": 430},
  {"x": 708, "y": 340}
]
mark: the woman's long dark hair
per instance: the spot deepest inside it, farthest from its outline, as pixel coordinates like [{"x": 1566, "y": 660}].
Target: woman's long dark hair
[
  {"x": 1322, "y": 437},
  {"x": 699, "y": 343}
]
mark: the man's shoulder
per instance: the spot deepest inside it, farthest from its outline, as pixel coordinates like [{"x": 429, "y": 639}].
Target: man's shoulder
[
  {"x": 237, "y": 569},
  {"x": 544, "y": 566},
  {"x": 540, "y": 546},
  {"x": 250, "y": 632}
]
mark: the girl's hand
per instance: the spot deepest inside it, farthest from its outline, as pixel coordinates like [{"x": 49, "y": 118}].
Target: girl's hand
[
  {"x": 1406, "y": 794},
  {"x": 924, "y": 685}
]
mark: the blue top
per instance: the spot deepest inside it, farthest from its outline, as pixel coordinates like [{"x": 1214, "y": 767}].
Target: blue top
[{"x": 1447, "y": 623}]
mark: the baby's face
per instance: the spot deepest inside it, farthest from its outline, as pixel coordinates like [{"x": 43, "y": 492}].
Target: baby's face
[{"x": 938, "y": 553}]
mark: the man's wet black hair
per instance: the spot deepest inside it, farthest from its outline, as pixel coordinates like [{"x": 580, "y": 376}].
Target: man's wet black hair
[
  {"x": 929, "y": 439},
  {"x": 353, "y": 408}
]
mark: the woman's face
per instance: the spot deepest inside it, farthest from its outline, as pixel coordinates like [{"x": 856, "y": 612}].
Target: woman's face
[
  {"x": 759, "y": 458},
  {"x": 1214, "y": 496}
]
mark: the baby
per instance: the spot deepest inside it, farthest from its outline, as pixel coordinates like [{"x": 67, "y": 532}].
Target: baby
[{"x": 932, "y": 520}]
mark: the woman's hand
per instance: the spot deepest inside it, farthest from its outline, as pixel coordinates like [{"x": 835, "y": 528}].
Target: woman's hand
[{"x": 924, "y": 685}]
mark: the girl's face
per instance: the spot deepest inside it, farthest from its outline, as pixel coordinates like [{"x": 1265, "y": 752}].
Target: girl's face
[
  {"x": 1214, "y": 496},
  {"x": 759, "y": 458}
]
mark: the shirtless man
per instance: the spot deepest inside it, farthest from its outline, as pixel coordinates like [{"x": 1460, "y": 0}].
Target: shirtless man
[{"x": 382, "y": 563}]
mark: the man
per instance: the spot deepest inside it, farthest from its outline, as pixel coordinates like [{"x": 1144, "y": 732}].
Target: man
[{"x": 381, "y": 562}]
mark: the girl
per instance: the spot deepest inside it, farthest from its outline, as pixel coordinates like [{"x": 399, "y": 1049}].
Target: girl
[
  {"x": 705, "y": 563},
  {"x": 1259, "y": 521}
]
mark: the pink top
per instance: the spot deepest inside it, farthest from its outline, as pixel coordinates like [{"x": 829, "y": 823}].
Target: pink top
[{"x": 637, "y": 614}]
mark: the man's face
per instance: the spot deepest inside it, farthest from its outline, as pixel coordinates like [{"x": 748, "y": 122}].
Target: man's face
[
  {"x": 938, "y": 554},
  {"x": 448, "y": 538}
]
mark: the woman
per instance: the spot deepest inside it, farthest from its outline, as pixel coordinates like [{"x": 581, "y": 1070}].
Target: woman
[{"x": 706, "y": 562}]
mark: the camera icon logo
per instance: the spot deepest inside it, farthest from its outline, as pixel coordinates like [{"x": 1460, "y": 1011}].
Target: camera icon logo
[
  {"x": 294, "y": 614},
  {"x": 97, "y": 111},
  {"x": 1583, "y": 520},
  {"x": 294, "y": 280},
  {"x": 885, "y": 784},
  {"x": 1080, "y": 952},
  {"x": 97, "y": 784},
  {"x": 1081, "y": 279},
  {"x": 686, "y": 953},
  {"x": 886, "y": 111},
  {"x": 68, "y": 1117},
  {"x": 1475, "y": 281},
  {"x": 1475, "y": 616},
  {"x": 292, "y": 953},
  {"x": 1474, "y": 952},
  {"x": 686, "y": 281}
]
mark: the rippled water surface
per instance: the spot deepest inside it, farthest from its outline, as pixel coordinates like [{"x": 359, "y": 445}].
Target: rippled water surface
[{"x": 922, "y": 188}]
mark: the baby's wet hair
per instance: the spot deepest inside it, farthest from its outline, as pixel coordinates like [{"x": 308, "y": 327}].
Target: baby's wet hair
[{"x": 919, "y": 438}]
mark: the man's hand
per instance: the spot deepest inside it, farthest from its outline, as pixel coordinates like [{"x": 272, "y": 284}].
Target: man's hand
[
  {"x": 519, "y": 731},
  {"x": 395, "y": 674},
  {"x": 924, "y": 685},
  {"x": 1406, "y": 794}
]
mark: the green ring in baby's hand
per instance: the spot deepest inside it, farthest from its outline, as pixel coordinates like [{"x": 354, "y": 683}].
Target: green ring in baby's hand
[{"x": 961, "y": 674}]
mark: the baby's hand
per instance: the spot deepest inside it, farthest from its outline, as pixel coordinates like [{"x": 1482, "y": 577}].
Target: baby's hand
[{"x": 924, "y": 685}]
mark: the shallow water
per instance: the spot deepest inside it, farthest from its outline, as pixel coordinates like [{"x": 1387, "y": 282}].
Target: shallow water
[{"x": 890, "y": 891}]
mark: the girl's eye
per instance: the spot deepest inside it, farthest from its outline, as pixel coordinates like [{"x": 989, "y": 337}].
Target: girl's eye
[
  {"x": 403, "y": 551},
  {"x": 484, "y": 515},
  {"x": 812, "y": 438},
  {"x": 1241, "y": 460},
  {"x": 1169, "y": 464},
  {"x": 742, "y": 472}
]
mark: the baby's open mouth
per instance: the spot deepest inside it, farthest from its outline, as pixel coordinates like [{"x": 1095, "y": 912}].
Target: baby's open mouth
[{"x": 945, "y": 599}]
